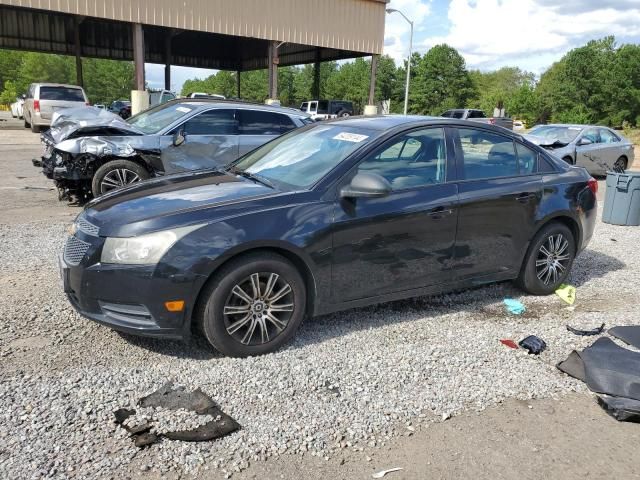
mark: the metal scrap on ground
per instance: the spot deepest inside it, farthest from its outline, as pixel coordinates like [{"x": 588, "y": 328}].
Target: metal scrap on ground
[{"x": 175, "y": 399}]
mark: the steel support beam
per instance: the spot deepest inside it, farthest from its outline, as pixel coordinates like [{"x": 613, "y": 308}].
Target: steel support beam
[
  {"x": 167, "y": 62},
  {"x": 372, "y": 80},
  {"x": 238, "y": 83},
  {"x": 78, "y": 52},
  {"x": 273, "y": 70},
  {"x": 316, "y": 76},
  {"x": 138, "y": 55}
]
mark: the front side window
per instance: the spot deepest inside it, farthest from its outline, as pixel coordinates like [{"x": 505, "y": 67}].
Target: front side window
[
  {"x": 302, "y": 157},
  {"x": 257, "y": 122},
  {"x": 411, "y": 160},
  {"x": 487, "y": 155},
  {"x": 591, "y": 135},
  {"x": 212, "y": 122},
  {"x": 607, "y": 136}
]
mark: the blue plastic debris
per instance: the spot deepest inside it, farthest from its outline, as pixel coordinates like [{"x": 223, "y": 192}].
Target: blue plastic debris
[{"x": 514, "y": 306}]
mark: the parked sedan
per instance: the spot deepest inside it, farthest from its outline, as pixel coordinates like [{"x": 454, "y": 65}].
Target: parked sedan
[
  {"x": 16, "y": 107},
  {"x": 598, "y": 149},
  {"x": 89, "y": 152},
  {"x": 328, "y": 217}
]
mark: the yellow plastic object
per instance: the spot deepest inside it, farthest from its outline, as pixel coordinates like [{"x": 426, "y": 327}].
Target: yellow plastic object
[{"x": 567, "y": 293}]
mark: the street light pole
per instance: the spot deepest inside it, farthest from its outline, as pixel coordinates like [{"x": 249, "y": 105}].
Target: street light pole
[{"x": 406, "y": 89}]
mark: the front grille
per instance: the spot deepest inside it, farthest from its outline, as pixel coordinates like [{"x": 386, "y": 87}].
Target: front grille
[
  {"x": 74, "y": 250},
  {"x": 86, "y": 227}
]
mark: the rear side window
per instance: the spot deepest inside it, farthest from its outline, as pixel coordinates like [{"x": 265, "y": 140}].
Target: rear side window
[
  {"x": 607, "y": 136},
  {"x": 487, "y": 155},
  {"x": 545, "y": 165},
  {"x": 212, "y": 122},
  {"x": 256, "y": 122},
  {"x": 65, "y": 94},
  {"x": 476, "y": 114},
  {"x": 527, "y": 160}
]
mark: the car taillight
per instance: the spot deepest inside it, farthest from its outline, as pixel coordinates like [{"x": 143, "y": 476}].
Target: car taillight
[
  {"x": 592, "y": 183},
  {"x": 36, "y": 106},
  {"x": 492, "y": 121}
]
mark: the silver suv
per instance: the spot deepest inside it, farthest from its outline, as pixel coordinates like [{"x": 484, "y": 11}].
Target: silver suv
[{"x": 43, "y": 99}]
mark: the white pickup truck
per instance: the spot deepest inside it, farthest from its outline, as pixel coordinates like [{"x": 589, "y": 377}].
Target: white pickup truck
[{"x": 478, "y": 116}]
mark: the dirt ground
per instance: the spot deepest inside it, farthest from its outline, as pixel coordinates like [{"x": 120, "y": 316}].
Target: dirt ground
[{"x": 569, "y": 437}]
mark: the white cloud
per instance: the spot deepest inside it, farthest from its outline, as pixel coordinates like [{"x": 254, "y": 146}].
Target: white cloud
[
  {"x": 396, "y": 38},
  {"x": 490, "y": 33}
]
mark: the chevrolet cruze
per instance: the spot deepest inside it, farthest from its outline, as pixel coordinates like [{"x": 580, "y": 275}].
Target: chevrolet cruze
[{"x": 328, "y": 217}]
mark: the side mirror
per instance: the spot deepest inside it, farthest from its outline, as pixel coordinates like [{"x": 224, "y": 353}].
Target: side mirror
[
  {"x": 179, "y": 138},
  {"x": 366, "y": 185},
  {"x": 23, "y": 96},
  {"x": 584, "y": 141}
]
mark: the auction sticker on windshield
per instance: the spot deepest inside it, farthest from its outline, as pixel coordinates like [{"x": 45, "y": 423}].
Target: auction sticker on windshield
[
  {"x": 350, "y": 137},
  {"x": 183, "y": 109}
]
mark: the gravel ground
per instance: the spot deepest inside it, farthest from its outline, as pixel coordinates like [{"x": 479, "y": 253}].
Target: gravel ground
[{"x": 353, "y": 380}]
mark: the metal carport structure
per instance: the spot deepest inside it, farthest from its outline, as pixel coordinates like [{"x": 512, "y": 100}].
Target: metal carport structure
[{"x": 237, "y": 35}]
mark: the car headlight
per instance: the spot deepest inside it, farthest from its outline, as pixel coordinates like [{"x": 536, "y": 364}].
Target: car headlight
[{"x": 143, "y": 250}]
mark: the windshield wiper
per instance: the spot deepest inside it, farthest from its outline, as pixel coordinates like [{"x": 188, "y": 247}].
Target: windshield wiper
[{"x": 251, "y": 176}]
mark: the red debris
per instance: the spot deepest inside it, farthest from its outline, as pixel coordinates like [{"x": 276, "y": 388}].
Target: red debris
[{"x": 509, "y": 343}]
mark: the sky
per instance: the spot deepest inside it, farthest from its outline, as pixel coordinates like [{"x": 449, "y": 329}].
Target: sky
[{"x": 530, "y": 34}]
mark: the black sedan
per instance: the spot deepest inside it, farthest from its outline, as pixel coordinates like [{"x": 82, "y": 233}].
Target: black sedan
[{"x": 328, "y": 217}]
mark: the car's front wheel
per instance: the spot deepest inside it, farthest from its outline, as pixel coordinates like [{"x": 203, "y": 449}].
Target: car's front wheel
[
  {"x": 253, "y": 306},
  {"x": 548, "y": 260},
  {"x": 117, "y": 174}
]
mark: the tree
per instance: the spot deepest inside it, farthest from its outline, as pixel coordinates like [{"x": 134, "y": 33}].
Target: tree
[
  {"x": 9, "y": 94},
  {"x": 441, "y": 82}
]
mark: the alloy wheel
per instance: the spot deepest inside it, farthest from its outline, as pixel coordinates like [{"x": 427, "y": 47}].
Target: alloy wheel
[
  {"x": 553, "y": 259},
  {"x": 259, "y": 308},
  {"x": 620, "y": 165},
  {"x": 117, "y": 178}
]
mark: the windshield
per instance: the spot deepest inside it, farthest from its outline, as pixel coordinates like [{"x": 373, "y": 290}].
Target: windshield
[
  {"x": 556, "y": 134},
  {"x": 302, "y": 157},
  {"x": 157, "y": 118}
]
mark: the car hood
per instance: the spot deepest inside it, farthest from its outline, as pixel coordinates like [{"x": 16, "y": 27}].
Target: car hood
[
  {"x": 86, "y": 121},
  {"x": 545, "y": 143},
  {"x": 175, "y": 200}
]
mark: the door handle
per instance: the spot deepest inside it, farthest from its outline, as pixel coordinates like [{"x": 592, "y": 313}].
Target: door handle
[
  {"x": 439, "y": 212},
  {"x": 524, "y": 197}
]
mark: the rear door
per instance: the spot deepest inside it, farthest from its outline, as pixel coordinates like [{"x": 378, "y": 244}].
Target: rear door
[
  {"x": 56, "y": 97},
  {"x": 257, "y": 127},
  {"x": 610, "y": 150},
  {"x": 499, "y": 191},
  {"x": 404, "y": 240},
  {"x": 590, "y": 155},
  {"x": 211, "y": 140}
]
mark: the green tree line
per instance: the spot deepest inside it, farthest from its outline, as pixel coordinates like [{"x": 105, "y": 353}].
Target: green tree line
[
  {"x": 104, "y": 80},
  {"x": 595, "y": 83}
]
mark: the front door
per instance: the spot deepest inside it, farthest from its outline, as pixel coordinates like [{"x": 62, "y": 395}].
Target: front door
[
  {"x": 404, "y": 240},
  {"x": 499, "y": 191},
  {"x": 211, "y": 141},
  {"x": 589, "y": 154}
]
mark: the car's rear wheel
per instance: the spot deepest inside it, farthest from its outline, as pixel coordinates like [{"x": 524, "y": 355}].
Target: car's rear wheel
[
  {"x": 253, "y": 306},
  {"x": 620, "y": 165},
  {"x": 117, "y": 174},
  {"x": 548, "y": 260},
  {"x": 26, "y": 124},
  {"x": 343, "y": 114}
]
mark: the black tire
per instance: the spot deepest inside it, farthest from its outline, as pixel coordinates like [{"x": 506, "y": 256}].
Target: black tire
[
  {"x": 100, "y": 182},
  {"x": 343, "y": 114},
  {"x": 569, "y": 160},
  {"x": 218, "y": 296},
  {"x": 621, "y": 164},
  {"x": 529, "y": 280},
  {"x": 26, "y": 124}
]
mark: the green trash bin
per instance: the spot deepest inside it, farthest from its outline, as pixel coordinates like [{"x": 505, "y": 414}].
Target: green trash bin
[{"x": 622, "y": 199}]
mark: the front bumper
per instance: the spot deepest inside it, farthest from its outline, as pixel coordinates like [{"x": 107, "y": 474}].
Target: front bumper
[{"x": 126, "y": 298}]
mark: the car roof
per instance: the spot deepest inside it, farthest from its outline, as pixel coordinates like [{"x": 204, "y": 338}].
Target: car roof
[
  {"x": 66, "y": 85},
  {"x": 207, "y": 102},
  {"x": 386, "y": 122}
]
